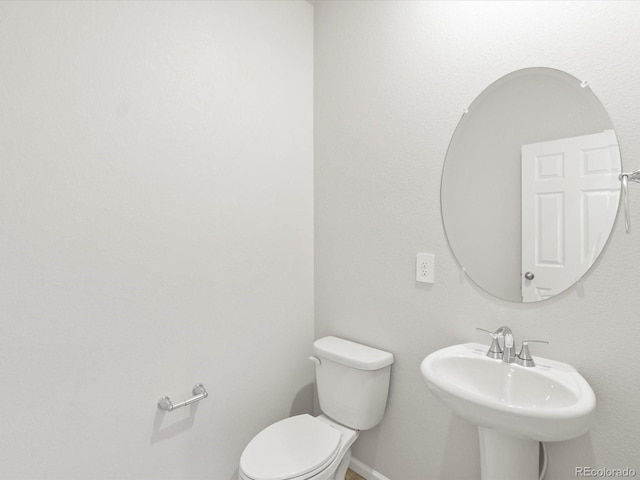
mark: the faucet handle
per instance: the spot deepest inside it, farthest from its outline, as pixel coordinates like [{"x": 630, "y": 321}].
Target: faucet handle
[
  {"x": 493, "y": 334},
  {"x": 495, "y": 351},
  {"x": 524, "y": 357}
]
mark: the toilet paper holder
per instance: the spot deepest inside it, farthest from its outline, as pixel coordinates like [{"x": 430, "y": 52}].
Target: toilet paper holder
[{"x": 198, "y": 391}]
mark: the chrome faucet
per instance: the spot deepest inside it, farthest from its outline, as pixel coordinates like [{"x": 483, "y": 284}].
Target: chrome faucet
[
  {"x": 508, "y": 344},
  {"x": 506, "y": 351}
]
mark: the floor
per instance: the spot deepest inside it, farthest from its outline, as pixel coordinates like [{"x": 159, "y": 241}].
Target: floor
[{"x": 351, "y": 475}]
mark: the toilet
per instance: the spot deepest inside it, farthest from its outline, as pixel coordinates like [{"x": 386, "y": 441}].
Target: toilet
[{"x": 352, "y": 382}]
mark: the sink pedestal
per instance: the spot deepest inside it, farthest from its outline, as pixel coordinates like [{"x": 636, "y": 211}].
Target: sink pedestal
[{"x": 503, "y": 457}]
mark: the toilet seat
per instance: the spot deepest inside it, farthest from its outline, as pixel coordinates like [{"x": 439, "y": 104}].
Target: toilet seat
[{"x": 294, "y": 448}]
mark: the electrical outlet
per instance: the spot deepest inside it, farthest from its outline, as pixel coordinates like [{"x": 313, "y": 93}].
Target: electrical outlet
[{"x": 425, "y": 264}]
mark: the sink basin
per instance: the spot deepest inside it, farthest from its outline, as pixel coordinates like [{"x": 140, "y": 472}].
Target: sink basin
[{"x": 548, "y": 402}]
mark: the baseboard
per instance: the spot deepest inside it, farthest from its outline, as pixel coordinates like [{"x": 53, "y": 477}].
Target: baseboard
[{"x": 365, "y": 470}]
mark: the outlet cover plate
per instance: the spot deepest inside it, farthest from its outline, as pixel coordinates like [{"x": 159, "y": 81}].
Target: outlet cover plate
[{"x": 425, "y": 265}]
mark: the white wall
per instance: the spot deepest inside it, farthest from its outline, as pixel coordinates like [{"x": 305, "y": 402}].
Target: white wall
[
  {"x": 156, "y": 230},
  {"x": 391, "y": 81}
]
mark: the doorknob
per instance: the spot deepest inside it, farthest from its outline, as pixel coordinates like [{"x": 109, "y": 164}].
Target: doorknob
[{"x": 529, "y": 275}]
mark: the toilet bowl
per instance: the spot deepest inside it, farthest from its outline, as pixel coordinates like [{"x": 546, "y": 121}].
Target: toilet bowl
[
  {"x": 352, "y": 382},
  {"x": 299, "y": 448}
]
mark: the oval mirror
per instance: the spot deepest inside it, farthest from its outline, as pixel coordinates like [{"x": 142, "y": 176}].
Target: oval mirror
[{"x": 530, "y": 188}]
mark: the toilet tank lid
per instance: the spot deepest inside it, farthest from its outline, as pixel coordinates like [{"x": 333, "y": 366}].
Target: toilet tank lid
[{"x": 352, "y": 354}]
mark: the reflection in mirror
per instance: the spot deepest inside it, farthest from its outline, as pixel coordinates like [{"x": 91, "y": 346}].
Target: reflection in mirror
[
  {"x": 530, "y": 186},
  {"x": 570, "y": 194}
]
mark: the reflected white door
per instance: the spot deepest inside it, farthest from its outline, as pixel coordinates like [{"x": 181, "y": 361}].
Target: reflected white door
[{"x": 570, "y": 192}]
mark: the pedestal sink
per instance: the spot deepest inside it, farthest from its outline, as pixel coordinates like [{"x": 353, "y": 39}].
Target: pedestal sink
[{"x": 514, "y": 407}]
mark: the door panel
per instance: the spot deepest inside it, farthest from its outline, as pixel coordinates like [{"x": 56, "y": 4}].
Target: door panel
[{"x": 569, "y": 203}]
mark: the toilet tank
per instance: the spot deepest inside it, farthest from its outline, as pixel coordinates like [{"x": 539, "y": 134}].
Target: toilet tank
[{"x": 352, "y": 381}]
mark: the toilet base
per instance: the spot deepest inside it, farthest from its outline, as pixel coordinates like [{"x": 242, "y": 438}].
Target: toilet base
[{"x": 341, "y": 472}]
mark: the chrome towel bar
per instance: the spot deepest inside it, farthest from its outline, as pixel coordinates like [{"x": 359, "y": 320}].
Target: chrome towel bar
[{"x": 198, "y": 391}]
